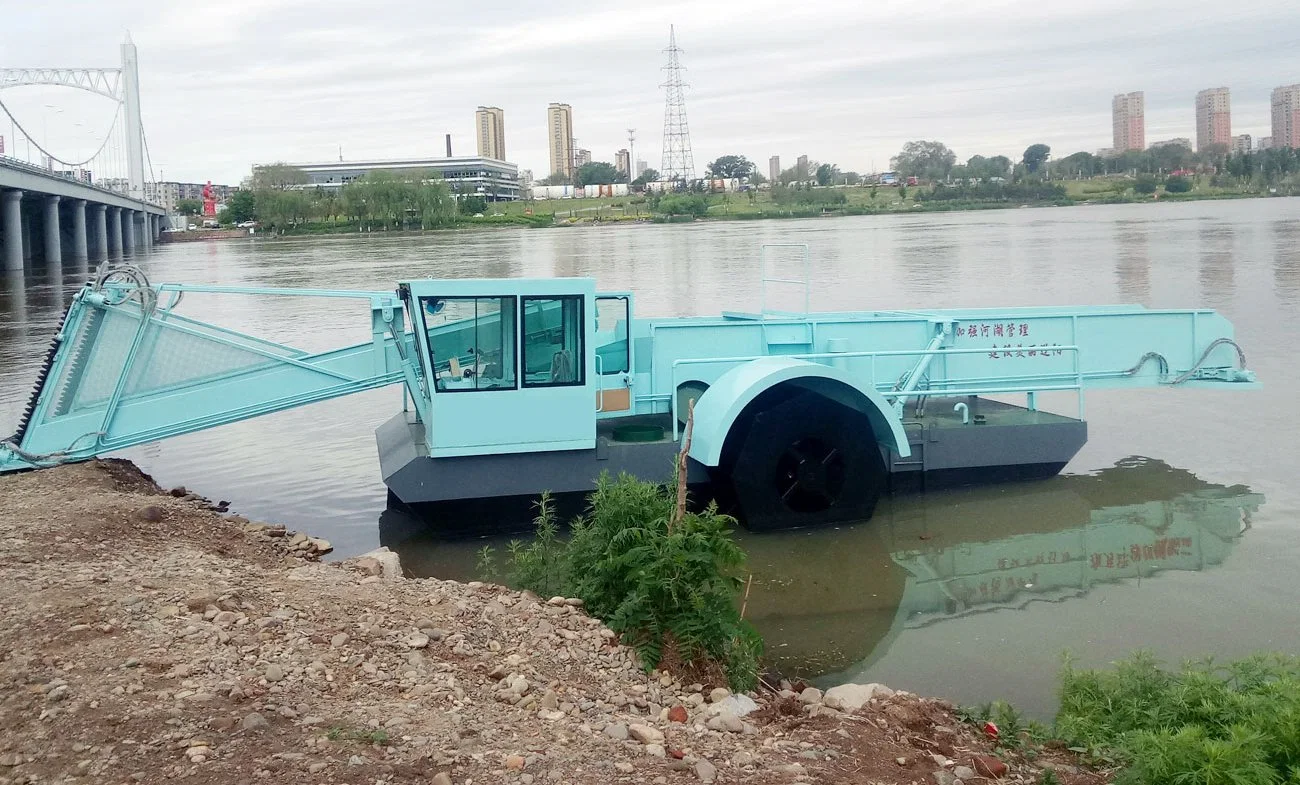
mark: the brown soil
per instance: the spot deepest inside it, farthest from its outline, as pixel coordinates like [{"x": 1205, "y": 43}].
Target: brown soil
[{"x": 145, "y": 638}]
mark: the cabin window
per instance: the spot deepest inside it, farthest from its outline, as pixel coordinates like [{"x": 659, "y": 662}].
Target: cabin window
[
  {"x": 471, "y": 342},
  {"x": 552, "y": 338}
]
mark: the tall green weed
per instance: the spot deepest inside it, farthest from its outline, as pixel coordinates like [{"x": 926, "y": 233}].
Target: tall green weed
[{"x": 666, "y": 584}]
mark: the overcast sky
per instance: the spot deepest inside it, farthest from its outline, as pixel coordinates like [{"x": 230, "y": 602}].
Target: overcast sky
[{"x": 233, "y": 82}]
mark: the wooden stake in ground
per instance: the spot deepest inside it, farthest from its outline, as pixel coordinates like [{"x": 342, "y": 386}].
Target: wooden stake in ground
[{"x": 681, "y": 467}]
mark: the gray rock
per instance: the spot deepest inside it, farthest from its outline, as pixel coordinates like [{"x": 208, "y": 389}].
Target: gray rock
[
  {"x": 655, "y": 750},
  {"x": 390, "y": 566},
  {"x": 624, "y": 767},
  {"x": 616, "y": 730},
  {"x": 645, "y": 734},
  {"x": 274, "y": 673},
  {"x": 550, "y": 701},
  {"x": 254, "y": 721},
  {"x": 944, "y": 777},
  {"x": 964, "y": 773},
  {"x": 739, "y": 705},
  {"x": 811, "y": 695},
  {"x": 851, "y": 697},
  {"x": 742, "y": 758},
  {"x": 705, "y": 771},
  {"x": 720, "y": 693},
  {"x": 441, "y": 778},
  {"x": 725, "y": 721}
]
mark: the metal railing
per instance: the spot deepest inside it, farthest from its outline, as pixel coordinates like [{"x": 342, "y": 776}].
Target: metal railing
[
  {"x": 15, "y": 163},
  {"x": 974, "y": 385}
]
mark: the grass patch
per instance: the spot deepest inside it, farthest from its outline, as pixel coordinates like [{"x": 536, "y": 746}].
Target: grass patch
[
  {"x": 1204, "y": 724},
  {"x": 379, "y": 737}
]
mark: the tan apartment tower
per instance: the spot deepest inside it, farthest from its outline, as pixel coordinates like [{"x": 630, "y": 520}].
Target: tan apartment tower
[
  {"x": 559, "y": 133},
  {"x": 1213, "y": 118},
  {"x": 1286, "y": 116},
  {"x": 1128, "y": 120},
  {"x": 623, "y": 162},
  {"x": 774, "y": 169},
  {"x": 490, "y": 124}
]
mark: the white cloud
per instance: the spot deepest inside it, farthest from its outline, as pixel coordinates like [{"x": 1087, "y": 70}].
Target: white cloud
[{"x": 242, "y": 81}]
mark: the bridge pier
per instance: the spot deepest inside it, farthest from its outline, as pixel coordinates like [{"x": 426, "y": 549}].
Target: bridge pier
[
  {"x": 128, "y": 232},
  {"x": 101, "y": 231},
  {"x": 11, "y": 224},
  {"x": 80, "y": 245},
  {"x": 53, "y": 243},
  {"x": 115, "y": 231}
]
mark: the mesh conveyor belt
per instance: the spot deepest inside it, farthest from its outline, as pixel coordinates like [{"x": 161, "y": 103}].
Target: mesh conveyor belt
[{"x": 44, "y": 373}]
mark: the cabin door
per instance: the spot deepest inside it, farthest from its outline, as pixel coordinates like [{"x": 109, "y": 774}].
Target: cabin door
[{"x": 613, "y": 345}]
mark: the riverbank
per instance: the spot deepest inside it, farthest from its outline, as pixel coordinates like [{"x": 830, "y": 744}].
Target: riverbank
[
  {"x": 150, "y": 638},
  {"x": 641, "y": 209}
]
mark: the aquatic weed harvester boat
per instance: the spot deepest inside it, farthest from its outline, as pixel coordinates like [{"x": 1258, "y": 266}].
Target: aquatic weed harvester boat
[{"x": 515, "y": 386}]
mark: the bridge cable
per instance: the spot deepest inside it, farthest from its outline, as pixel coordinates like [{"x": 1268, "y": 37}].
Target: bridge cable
[{"x": 47, "y": 153}]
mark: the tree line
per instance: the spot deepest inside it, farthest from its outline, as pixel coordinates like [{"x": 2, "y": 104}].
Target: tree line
[{"x": 279, "y": 197}]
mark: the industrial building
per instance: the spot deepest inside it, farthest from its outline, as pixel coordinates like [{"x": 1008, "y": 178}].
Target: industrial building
[{"x": 477, "y": 176}]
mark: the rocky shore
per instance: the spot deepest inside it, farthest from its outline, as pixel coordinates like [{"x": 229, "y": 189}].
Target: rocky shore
[{"x": 146, "y": 638}]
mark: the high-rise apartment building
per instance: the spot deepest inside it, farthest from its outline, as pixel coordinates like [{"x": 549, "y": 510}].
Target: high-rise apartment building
[
  {"x": 581, "y": 158},
  {"x": 801, "y": 167},
  {"x": 1128, "y": 121},
  {"x": 640, "y": 168},
  {"x": 490, "y": 123},
  {"x": 1213, "y": 118},
  {"x": 1286, "y": 116},
  {"x": 623, "y": 162},
  {"x": 559, "y": 129},
  {"x": 774, "y": 168},
  {"x": 1241, "y": 143},
  {"x": 1265, "y": 143}
]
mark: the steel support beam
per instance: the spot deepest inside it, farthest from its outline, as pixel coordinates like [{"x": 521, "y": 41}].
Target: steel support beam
[
  {"x": 53, "y": 245},
  {"x": 11, "y": 223}
]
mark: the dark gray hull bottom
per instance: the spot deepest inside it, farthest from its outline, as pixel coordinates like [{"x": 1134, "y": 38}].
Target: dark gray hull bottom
[{"x": 1001, "y": 443}]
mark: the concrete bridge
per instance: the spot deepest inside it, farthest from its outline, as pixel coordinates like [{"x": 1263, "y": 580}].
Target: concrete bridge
[{"x": 44, "y": 215}]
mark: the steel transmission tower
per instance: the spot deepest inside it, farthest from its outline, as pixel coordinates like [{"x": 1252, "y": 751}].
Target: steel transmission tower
[{"x": 678, "y": 163}]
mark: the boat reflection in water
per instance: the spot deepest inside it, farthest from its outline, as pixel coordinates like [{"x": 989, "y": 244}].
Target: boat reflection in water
[
  {"x": 827, "y": 600},
  {"x": 834, "y": 599}
]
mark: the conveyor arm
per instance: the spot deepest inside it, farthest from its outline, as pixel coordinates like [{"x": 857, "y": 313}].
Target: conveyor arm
[{"x": 125, "y": 369}]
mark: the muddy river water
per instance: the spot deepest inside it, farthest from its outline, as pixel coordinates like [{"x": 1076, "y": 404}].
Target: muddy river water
[{"x": 1176, "y": 529}]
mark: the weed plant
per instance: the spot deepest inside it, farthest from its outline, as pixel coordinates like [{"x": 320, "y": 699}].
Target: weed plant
[
  {"x": 1207, "y": 724},
  {"x": 664, "y": 580}
]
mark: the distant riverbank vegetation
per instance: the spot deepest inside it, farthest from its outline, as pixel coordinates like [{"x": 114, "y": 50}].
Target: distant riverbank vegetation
[{"x": 927, "y": 177}]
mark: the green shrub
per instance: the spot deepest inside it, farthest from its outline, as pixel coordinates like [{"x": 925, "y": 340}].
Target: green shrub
[
  {"x": 667, "y": 585},
  {"x": 683, "y": 204},
  {"x": 1145, "y": 184},
  {"x": 1178, "y": 185},
  {"x": 1204, "y": 725}
]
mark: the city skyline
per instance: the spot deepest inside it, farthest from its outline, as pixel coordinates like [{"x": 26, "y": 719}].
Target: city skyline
[{"x": 266, "y": 90}]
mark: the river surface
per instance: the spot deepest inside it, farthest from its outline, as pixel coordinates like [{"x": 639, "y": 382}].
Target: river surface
[{"x": 1176, "y": 529}]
